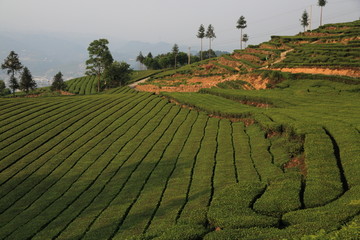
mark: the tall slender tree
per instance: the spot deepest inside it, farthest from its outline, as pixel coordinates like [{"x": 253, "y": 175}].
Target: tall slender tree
[
  {"x": 304, "y": 20},
  {"x": 241, "y": 24},
  {"x": 321, "y": 4},
  {"x": 175, "y": 52},
  {"x": 210, "y": 34},
  {"x": 99, "y": 58},
  {"x": 13, "y": 65},
  {"x": 201, "y": 35},
  {"x": 26, "y": 81},
  {"x": 140, "y": 59},
  {"x": 245, "y": 38}
]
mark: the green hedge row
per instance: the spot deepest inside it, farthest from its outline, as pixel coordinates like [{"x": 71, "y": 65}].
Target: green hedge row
[
  {"x": 231, "y": 209},
  {"x": 323, "y": 183}
]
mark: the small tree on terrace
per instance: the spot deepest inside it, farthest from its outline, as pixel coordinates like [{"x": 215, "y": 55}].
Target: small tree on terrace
[
  {"x": 26, "y": 81},
  {"x": 304, "y": 20},
  {"x": 321, "y": 4},
  {"x": 13, "y": 65},
  {"x": 210, "y": 34},
  {"x": 58, "y": 83},
  {"x": 99, "y": 58},
  {"x": 241, "y": 24},
  {"x": 245, "y": 38},
  {"x": 201, "y": 35},
  {"x": 175, "y": 52}
]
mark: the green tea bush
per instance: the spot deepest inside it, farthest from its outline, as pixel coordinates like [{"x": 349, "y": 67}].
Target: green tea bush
[{"x": 231, "y": 209}]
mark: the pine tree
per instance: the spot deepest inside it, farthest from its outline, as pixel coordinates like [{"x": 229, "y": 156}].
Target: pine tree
[
  {"x": 241, "y": 24},
  {"x": 210, "y": 34},
  {"x": 201, "y": 35},
  {"x": 175, "y": 52},
  {"x": 58, "y": 83},
  {"x": 304, "y": 20},
  {"x": 26, "y": 81},
  {"x": 13, "y": 65}
]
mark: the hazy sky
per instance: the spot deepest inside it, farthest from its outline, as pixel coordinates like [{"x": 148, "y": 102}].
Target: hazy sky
[{"x": 172, "y": 21}]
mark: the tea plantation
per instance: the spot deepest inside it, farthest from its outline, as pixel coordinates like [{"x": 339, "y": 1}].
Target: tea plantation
[{"x": 223, "y": 163}]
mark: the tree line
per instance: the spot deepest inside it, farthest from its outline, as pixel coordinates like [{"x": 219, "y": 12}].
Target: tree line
[{"x": 14, "y": 67}]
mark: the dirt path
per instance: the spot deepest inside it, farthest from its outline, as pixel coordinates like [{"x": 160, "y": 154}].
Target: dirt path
[
  {"x": 133, "y": 85},
  {"x": 283, "y": 56}
]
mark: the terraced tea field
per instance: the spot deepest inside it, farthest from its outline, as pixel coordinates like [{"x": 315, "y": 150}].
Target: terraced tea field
[
  {"x": 123, "y": 164},
  {"x": 223, "y": 163}
]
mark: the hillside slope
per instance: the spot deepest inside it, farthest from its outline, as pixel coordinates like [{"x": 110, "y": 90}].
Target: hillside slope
[{"x": 333, "y": 49}]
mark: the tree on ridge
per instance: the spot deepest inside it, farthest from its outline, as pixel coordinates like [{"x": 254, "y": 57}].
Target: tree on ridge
[
  {"x": 175, "y": 52},
  {"x": 241, "y": 24},
  {"x": 201, "y": 35},
  {"x": 304, "y": 20},
  {"x": 13, "y": 65},
  {"x": 100, "y": 58},
  {"x": 321, "y": 4},
  {"x": 210, "y": 34}
]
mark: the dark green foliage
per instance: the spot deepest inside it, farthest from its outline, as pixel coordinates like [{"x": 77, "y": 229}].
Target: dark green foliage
[
  {"x": 304, "y": 19},
  {"x": 116, "y": 75},
  {"x": 13, "y": 84},
  {"x": 245, "y": 38},
  {"x": 100, "y": 58},
  {"x": 12, "y": 64},
  {"x": 164, "y": 61},
  {"x": 58, "y": 83},
  {"x": 140, "y": 58},
  {"x": 26, "y": 81},
  {"x": 3, "y": 89}
]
